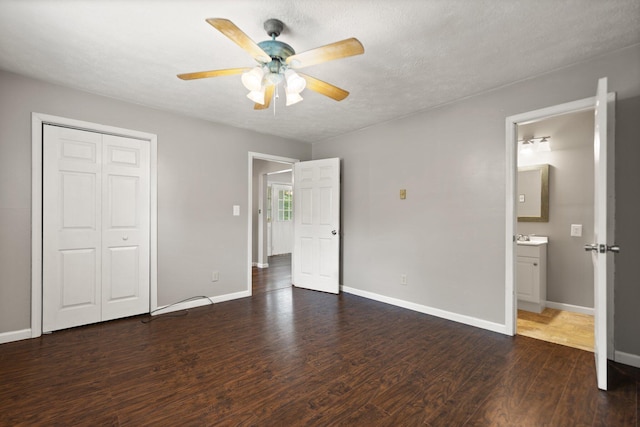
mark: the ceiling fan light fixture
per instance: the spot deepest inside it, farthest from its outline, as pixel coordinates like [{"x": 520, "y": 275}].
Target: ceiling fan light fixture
[
  {"x": 293, "y": 98},
  {"x": 252, "y": 79},
  {"x": 257, "y": 96},
  {"x": 277, "y": 61},
  {"x": 295, "y": 83}
]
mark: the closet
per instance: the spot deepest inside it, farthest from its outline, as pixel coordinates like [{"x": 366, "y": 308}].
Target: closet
[{"x": 96, "y": 227}]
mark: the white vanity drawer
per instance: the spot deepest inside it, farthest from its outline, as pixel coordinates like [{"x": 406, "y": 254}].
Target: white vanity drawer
[{"x": 532, "y": 251}]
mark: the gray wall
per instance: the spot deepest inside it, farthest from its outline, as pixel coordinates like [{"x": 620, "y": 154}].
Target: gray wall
[
  {"x": 448, "y": 235},
  {"x": 571, "y": 180},
  {"x": 202, "y": 173}
]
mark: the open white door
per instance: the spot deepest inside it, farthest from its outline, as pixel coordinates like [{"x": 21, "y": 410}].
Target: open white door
[
  {"x": 599, "y": 248},
  {"x": 316, "y": 248}
]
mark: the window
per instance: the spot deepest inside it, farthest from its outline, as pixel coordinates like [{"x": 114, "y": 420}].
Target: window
[{"x": 285, "y": 206}]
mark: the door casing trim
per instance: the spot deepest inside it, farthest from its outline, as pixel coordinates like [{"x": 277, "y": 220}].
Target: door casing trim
[{"x": 511, "y": 124}]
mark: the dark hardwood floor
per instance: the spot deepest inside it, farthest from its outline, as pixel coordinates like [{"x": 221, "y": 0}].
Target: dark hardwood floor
[
  {"x": 277, "y": 276},
  {"x": 290, "y": 356}
]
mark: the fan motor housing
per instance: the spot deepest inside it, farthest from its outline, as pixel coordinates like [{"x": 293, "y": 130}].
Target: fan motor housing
[{"x": 278, "y": 51}]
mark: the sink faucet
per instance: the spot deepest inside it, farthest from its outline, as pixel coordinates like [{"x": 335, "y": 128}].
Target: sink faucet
[{"x": 522, "y": 238}]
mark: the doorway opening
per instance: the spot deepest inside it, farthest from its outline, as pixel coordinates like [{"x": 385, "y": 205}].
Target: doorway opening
[
  {"x": 603, "y": 105},
  {"x": 554, "y": 276},
  {"x": 269, "y": 270}
]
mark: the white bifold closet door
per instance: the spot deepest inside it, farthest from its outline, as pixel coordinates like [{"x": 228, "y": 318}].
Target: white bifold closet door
[{"x": 96, "y": 210}]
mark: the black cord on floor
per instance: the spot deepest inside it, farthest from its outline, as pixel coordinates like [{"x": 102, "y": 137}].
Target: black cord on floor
[{"x": 185, "y": 311}]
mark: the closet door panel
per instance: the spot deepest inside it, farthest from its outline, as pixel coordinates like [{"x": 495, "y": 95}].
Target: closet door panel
[
  {"x": 125, "y": 228},
  {"x": 71, "y": 242}
]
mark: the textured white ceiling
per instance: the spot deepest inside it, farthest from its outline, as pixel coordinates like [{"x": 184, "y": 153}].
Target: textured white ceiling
[{"x": 418, "y": 54}]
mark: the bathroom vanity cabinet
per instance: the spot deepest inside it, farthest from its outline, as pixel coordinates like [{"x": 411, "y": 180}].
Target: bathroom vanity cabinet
[{"x": 531, "y": 275}]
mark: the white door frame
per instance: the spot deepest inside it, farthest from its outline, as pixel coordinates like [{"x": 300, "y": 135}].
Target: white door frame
[
  {"x": 512, "y": 123},
  {"x": 37, "y": 121},
  {"x": 271, "y": 158}
]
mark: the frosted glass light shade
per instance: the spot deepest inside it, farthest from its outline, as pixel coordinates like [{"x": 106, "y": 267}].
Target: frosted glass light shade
[
  {"x": 257, "y": 96},
  {"x": 252, "y": 79},
  {"x": 526, "y": 147},
  {"x": 544, "y": 145},
  {"x": 295, "y": 83},
  {"x": 293, "y": 98}
]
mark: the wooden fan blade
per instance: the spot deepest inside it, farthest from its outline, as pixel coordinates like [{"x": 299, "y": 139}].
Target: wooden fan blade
[
  {"x": 337, "y": 50},
  {"x": 324, "y": 88},
  {"x": 213, "y": 73},
  {"x": 237, "y": 36},
  {"x": 268, "y": 94}
]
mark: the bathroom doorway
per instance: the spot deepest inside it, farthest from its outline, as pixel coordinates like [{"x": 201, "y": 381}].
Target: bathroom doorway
[
  {"x": 562, "y": 312},
  {"x": 603, "y": 105}
]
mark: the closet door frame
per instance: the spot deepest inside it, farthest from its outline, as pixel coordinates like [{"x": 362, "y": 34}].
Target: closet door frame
[{"x": 37, "y": 122}]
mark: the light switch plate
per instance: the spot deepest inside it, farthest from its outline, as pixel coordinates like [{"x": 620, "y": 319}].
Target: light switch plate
[
  {"x": 576, "y": 230},
  {"x": 403, "y": 194},
  {"x": 236, "y": 210},
  {"x": 521, "y": 198}
]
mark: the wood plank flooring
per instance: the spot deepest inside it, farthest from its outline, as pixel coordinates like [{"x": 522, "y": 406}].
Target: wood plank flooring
[
  {"x": 295, "y": 357},
  {"x": 276, "y": 276},
  {"x": 558, "y": 326}
]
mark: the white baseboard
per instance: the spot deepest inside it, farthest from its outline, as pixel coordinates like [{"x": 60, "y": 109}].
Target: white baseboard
[
  {"x": 22, "y": 334},
  {"x": 570, "y": 307},
  {"x": 467, "y": 320},
  {"x": 200, "y": 302},
  {"x": 261, "y": 265},
  {"x": 627, "y": 359}
]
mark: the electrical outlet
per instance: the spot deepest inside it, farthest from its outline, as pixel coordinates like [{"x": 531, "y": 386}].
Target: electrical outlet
[
  {"x": 215, "y": 276},
  {"x": 403, "y": 279}
]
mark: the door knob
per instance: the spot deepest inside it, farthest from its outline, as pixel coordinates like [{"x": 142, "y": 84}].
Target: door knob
[
  {"x": 334, "y": 232},
  {"x": 125, "y": 237},
  {"x": 614, "y": 249},
  {"x": 591, "y": 247}
]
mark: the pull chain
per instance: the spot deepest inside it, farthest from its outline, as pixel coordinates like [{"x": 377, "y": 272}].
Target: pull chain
[{"x": 276, "y": 96}]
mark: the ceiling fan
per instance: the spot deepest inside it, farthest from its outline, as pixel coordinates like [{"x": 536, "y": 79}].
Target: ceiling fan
[{"x": 278, "y": 62}]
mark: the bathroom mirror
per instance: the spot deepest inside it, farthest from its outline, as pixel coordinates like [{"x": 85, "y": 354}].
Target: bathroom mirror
[{"x": 532, "y": 198}]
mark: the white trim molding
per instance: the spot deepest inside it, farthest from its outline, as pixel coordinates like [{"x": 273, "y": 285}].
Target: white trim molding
[
  {"x": 455, "y": 317},
  {"x": 199, "y": 302},
  {"x": 570, "y": 307},
  {"x": 37, "y": 121},
  {"x": 627, "y": 359},
  {"x": 11, "y": 336}
]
